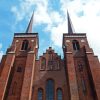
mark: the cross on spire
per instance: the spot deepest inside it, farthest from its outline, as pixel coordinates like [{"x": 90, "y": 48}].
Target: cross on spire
[
  {"x": 30, "y": 25},
  {"x": 70, "y": 25}
]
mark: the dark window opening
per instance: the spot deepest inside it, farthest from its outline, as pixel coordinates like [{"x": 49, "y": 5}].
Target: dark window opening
[
  {"x": 50, "y": 55},
  {"x": 59, "y": 94},
  {"x": 83, "y": 86},
  {"x": 24, "y": 45},
  {"x": 43, "y": 63},
  {"x": 19, "y": 69},
  {"x": 76, "y": 45},
  {"x": 40, "y": 94},
  {"x": 50, "y": 90},
  {"x": 80, "y": 67}
]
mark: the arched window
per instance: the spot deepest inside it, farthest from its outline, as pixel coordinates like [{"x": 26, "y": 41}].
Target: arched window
[
  {"x": 59, "y": 94},
  {"x": 24, "y": 45},
  {"x": 40, "y": 94},
  {"x": 50, "y": 90},
  {"x": 43, "y": 63},
  {"x": 76, "y": 45}
]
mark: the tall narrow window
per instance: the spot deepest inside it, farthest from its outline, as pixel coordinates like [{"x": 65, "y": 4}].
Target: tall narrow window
[
  {"x": 59, "y": 94},
  {"x": 50, "y": 90},
  {"x": 83, "y": 86},
  {"x": 50, "y": 55},
  {"x": 40, "y": 94},
  {"x": 24, "y": 45},
  {"x": 43, "y": 63},
  {"x": 76, "y": 45},
  {"x": 80, "y": 67},
  {"x": 50, "y": 65},
  {"x": 14, "y": 88}
]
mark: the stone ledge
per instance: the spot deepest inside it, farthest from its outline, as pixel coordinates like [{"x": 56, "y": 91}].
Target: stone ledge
[
  {"x": 11, "y": 52},
  {"x": 69, "y": 52},
  {"x": 31, "y": 52}
]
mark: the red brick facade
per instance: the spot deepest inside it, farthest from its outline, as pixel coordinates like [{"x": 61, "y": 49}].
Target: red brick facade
[{"x": 76, "y": 76}]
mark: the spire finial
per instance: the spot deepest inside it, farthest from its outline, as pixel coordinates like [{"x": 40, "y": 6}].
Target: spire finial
[
  {"x": 70, "y": 25},
  {"x": 29, "y": 28}
]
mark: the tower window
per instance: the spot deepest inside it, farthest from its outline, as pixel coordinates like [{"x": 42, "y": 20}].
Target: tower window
[
  {"x": 19, "y": 69},
  {"x": 80, "y": 67},
  {"x": 76, "y": 45},
  {"x": 24, "y": 45},
  {"x": 59, "y": 94},
  {"x": 40, "y": 94},
  {"x": 50, "y": 90}
]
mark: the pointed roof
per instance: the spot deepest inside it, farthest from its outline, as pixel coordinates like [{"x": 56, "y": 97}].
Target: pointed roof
[
  {"x": 29, "y": 28},
  {"x": 70, "y": 25}
]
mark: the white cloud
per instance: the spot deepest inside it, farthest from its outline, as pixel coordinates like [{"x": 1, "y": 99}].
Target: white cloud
[
  {"x": 26, "y": 7},
  {"x": 56, "y": 33},
  {"x": 56, "y": 22},
  {"x": 1, "y": 52}
]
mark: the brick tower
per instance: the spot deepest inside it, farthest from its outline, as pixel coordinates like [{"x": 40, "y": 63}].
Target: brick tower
[
  {"x": 82, "y": 66},
  {"x": 24, "y": 77},
  {"x": 17, "y": 66}
]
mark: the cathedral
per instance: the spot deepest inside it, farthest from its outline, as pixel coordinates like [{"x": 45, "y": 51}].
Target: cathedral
[{"x": 24, "y": 77}]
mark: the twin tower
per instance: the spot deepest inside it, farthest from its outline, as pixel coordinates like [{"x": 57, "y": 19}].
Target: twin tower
[{"x": 24, "y": 77}]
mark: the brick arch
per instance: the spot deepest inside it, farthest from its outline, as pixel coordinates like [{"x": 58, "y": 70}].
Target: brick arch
[
  {"x": 59, "y": 93},
  {"x": 50, "y": 79}
]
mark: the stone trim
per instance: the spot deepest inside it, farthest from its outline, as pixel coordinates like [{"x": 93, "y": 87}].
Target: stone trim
[
  {"x": 69, "y": 52},
  {"x": 25, "y": 36},
  {"x": 31, "y": 52},
  {"x": 89, "y": 52},
  {"x": 11, "y": 52},
  {"x": 75, "y": 36}
]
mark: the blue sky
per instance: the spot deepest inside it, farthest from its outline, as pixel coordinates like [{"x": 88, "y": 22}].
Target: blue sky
[{"x": 50, "y": 21}]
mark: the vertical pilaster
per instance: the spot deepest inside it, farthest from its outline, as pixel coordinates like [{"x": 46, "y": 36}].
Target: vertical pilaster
[
  {"x": 95, "y": 71},
  {"x": 72, "y": 77},
  {"x": 28, "y": 77},
  {"x": 5, "y": 73}
]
